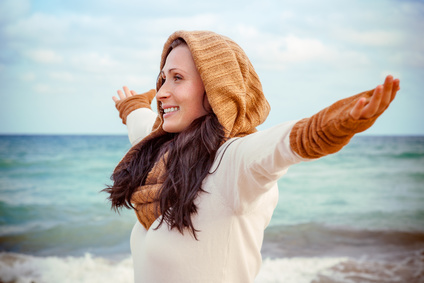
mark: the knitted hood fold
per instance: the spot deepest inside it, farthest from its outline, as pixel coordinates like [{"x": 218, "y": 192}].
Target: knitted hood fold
[
  {"x": 234, "y": 93},
  {"x": 232, "y": 85}
]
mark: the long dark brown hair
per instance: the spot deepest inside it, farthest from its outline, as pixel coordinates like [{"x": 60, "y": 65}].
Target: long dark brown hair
[{"x": 191, "y": 154}]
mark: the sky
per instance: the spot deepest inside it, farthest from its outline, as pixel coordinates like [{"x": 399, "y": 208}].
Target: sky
[{"x": 62, "y": 61}]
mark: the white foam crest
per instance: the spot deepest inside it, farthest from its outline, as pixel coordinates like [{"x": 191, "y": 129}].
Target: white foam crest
[
  {"x": 20, "y": 268},
  {"x": 294, "y": 270},
  {"x": 410, "y": 269},
  {"x": 88, "y": 269}
]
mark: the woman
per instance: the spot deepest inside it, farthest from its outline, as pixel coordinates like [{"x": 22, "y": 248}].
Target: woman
[{"x": 202, "y": 180}]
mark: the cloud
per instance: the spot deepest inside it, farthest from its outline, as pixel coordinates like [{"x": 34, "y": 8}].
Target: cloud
[
  {"x": 43, "y": 89},
  {"x": 372, "y": 38},
  {"x": 62, "y": 76},
  {"x": 12, "y": 9},
  {"x": 286, "y": 52},
  {"x": 28, "y": 77},
  {"x": 44, "y": 56},
  {"x": 93, "y": 62},
  {"x": 85, "y": 50}
]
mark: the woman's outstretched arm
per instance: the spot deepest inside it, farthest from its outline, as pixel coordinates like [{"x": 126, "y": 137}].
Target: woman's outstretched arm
[
  {"x": 382, "y": 97},
  {"x": 135, "y": 111},
  {"x": 332, "y": 128}
]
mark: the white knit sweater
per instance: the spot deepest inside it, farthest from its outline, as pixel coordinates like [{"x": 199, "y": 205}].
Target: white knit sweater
[{"x": 237, "y": 206}]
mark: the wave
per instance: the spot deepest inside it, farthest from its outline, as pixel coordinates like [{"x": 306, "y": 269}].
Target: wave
[
  {"x": 342, "y": 270},
  {"x": 398, "y": 270},
  {"x": 312, "y": 239},
  {"x": 86, "y": 269},
  {"x": 89, "y": 269},
  {"x": 295, "y": 270},
  {"x": 408, "y": 155}
]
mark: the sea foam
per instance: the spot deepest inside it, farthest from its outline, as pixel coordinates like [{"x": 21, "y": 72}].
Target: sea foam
[
  {"x": 294, "y": 270},
  {"x": 87, "y": 269},
  {"x": 19, "y": 268},
  {"x": 90, "y": 269}
]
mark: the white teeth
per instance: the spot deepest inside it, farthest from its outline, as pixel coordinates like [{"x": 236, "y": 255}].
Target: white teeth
[{"x": 170, "y": 109}]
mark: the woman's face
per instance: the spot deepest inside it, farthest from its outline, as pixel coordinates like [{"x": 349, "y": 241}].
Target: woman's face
[{"x": 182, "y": 93}]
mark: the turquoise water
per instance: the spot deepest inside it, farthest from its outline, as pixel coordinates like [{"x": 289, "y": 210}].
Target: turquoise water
[
  {"x": 50, "y": 200},
  {"x": 365, "y": 201},
  {"x": 374, "y": 183}
]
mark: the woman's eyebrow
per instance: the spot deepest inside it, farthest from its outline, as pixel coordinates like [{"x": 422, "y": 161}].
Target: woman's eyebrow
[{"x": 170, "y": 70}]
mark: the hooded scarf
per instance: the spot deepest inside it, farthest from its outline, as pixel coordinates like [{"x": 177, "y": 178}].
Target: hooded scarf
[{"x": 234, "y": 92}]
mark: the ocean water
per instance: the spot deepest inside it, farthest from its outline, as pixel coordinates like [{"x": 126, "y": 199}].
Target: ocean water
[{"x": 356, "y": 216}]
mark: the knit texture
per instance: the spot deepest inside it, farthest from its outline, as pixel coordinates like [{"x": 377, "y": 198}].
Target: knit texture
[
  {"x": 234, "y": 93},
  {"x": 129, "y": 104},
  {"x": 329, "y": 130},
  {"x": 231, "y": 83},
  {"x": 145, "y": 197}
]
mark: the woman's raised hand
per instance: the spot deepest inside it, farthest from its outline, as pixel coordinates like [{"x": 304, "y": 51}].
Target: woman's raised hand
[
  {"x": 383, "y": 95},
  {"x": 122, "y": 95}
]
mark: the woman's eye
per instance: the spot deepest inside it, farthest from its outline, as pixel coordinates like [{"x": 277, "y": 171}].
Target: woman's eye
[{"x": 177, "y": 78}]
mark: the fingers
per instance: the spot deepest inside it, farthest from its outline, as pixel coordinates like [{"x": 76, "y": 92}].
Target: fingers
[
  {"x": 379, "y": 101},
  {"x": 390, "y": 88},
  {"x": 122, "y": 95},
  {"x": 356, "y": 111},
  {"x": 396, "y": 88},
  {"x": 387, "y": 92}
]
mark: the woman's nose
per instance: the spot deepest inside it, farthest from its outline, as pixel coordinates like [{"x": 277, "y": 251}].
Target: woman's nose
[{"x": 162, "y": 94}]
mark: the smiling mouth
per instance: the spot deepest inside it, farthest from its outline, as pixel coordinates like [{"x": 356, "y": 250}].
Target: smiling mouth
[{"x": 170, "y": 110}]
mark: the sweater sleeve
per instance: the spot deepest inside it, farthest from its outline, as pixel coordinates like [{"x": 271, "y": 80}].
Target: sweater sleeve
[
  {"x": 140, "y": 124},
  {"x": 129, "y": 104},
  {"x": 252, "y": 165},
  {"x": 136, "y": 113},
  {"x": 249, "y": 166},
  {"x": 329, "y": 130}
]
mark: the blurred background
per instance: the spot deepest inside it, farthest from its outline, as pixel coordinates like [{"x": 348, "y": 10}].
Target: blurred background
[
  {"x": 356, "y": 216},
  {"x": 61, "y": 61}
]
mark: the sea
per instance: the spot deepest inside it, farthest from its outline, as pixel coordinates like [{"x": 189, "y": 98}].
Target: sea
[{"x": 355, "y": 216}]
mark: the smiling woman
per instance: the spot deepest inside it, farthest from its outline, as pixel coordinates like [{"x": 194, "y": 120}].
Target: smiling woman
[
  {"x": 182, "y": 96},
  {"x": 202, "y": 180}
]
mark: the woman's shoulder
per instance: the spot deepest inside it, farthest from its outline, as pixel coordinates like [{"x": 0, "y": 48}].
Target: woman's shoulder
[{"x": 273, "y": 142}]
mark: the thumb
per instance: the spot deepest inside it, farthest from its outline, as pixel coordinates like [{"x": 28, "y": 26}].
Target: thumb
[{"x": 356, "y": 111}]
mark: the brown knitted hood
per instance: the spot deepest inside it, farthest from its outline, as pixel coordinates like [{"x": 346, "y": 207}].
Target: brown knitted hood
[
  {"x": 234, "y": 93},
  {"x": 231, "y": 83}
]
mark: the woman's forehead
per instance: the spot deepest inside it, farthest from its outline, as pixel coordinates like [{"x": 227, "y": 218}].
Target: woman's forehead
[{"x": 179, "y": 58}]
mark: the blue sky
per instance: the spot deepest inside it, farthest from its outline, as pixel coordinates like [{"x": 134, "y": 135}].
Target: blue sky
[{"x": 62, "y": 61}]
